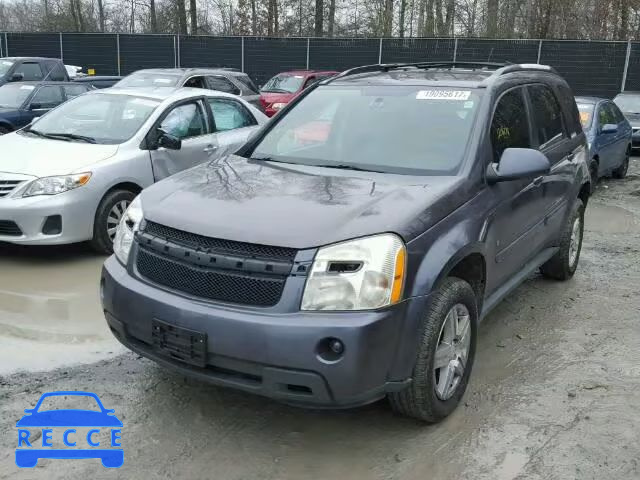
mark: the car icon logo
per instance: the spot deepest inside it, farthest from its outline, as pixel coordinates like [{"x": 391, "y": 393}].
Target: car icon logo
[{"x": 66, "y": 442}]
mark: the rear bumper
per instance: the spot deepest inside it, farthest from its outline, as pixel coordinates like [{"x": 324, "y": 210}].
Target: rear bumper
[{"x": 271, "y": 354}]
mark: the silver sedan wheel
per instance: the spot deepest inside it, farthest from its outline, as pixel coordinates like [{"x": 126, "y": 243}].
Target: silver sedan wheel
[
  {"x": 576, "y": 239},
  {"x": 113, "y": 219},
  {"x": 452, "y": 351}
]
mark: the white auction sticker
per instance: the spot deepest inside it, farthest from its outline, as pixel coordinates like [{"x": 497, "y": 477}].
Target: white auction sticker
[
  {"x": 27, "y": 87},
  {"x": 460, "y": 95}
]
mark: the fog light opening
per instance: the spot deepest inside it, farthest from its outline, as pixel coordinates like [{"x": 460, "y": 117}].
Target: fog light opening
[
  {"x": 331, "y": 349},
  {"x": 52, "y": 225}
]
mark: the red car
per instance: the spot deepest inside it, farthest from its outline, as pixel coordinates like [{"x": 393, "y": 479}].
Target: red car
[{"x": 285, "y": 86}]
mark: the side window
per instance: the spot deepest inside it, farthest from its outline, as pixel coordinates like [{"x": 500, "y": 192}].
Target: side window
[
  {"x": 606, "y": 115},
  {"x": 185, "y": 121},
  {"x": 221, "y": 84},
  {"x": 196, "y": 82},
  {"x": 47, "y": 97},
  {"x": 230, "y": 115},
  {"x": 547, "y": 115},
  {"x": 574, "y": 125},
  {"x": 73, "y": 91},
  {"x": 248, "y": 83},
  {"x": 55, "y": 72},
  {"x": 509, "y": 127},
  {"x": 310, "y": 81},
  {"x": 617, "y": 114},
  {"x": 30, "y": 71}
]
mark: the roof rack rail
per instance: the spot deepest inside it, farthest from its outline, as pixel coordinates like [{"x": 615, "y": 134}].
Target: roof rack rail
[{"x": 500, "y": 68}]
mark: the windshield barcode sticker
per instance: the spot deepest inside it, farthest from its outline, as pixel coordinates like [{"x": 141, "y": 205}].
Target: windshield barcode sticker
[{"x": 460, "y": 95}]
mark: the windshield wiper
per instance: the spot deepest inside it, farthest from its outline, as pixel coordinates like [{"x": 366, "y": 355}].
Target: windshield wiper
[
  {"x": 71, "y": 136},
  {"x": 276, "y": 90},
  {"x": 348, "y": 167}
]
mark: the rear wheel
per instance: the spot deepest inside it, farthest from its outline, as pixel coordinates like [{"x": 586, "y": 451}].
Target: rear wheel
[
  {"x": 622, "y": 170},
  {"x": 564, "y": 263},
  {"x": 445, "y": 355},
  {"x": 108, "y": 215}
]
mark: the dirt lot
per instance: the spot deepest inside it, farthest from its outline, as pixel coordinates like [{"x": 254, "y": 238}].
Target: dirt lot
[{"x": 555, "y": 392}]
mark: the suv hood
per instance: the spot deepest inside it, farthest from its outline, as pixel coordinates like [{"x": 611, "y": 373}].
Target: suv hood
[
  {"x": 42, "y": 157},
  {"x": 297, "y": 206}
]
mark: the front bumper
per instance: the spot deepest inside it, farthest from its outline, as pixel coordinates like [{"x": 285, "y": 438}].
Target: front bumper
[
  {"x": 266, "y": 353},
  {"x": 30, "y": 214}
]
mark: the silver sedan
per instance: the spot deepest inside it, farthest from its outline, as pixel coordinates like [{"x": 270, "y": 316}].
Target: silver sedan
[{"x": 70, "y": 175}]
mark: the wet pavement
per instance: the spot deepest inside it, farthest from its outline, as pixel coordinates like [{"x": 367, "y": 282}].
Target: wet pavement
[{"x": 554, "y": 393}]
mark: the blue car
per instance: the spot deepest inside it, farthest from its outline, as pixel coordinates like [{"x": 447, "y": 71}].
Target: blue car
[
  {"x": 21, "y": 102},
  {"x": 27, "y": 455},
  {"x": 609, "y": 135}
]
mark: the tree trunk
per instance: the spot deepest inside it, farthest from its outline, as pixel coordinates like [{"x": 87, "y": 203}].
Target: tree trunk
[
  {"x": 403, "y": 8},
  {"x": 319, "y": 18},
  {"x": 153, "y": 18},
  {"x": 623, "y": 33},
  {"x": 450, "y": 13},
  {"x": 430, "y": 26},
  {"x": 332, "y": 17},
  {"x": 254, "y": 18},
  {"x": 270, "y": 18},
  {"x": 422, "y": 6},
  {"x": 193, "y": 13},
  {"x": 492, "y": 18},
  {"x": 388, "y": 18},
  {"x": 182, "y": 18},
  {"x": 101, "y": 14},
  {"x": 440, "y": 19}
]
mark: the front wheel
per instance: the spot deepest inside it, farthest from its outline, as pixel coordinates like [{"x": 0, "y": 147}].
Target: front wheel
[
  {"x": 564, "y": 263},
  {"x": 445, "y": 355},
  {"x": 108, "y": 215},
  {"x": 4, "y": 130}
]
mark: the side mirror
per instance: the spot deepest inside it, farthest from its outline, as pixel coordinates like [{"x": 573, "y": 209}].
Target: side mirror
[
  {"x": 518, "y": 164},
  {"x": 609, "y": 129},
  {"x": 169, "y": 142},
  {"x": 17, "y": 77}
]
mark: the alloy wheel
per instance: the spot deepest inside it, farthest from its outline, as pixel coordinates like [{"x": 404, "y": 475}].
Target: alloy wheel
[{"x": 114, "y": 217}]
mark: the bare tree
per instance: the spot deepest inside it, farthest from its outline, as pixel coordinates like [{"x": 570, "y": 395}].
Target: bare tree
[
  {"x": 332, "y": 17},
  {"x": 319, "y": 18},
  {"x": 182, "y": 17},
  {"x": 193, "y": 14},
  {"x": 492, "y": 18}
]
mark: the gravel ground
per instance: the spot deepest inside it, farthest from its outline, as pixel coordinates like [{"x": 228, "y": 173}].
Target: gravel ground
[{"x": 555, "y": 394}]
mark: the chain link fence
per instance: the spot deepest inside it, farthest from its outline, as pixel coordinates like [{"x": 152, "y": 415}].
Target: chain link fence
[{"x": 591, "y": 67}]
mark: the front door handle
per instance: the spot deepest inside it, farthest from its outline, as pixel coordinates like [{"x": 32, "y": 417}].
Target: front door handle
[
  {"x": 538, "y": 181},
  {"x": 571, "y": 156},
  {"x": 210, "y": 148}
]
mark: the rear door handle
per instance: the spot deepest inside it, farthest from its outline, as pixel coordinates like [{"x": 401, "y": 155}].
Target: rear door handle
[
  {"x": 210, "y": 148},
  {"x": 538, "y": 181},
  {"x": 571, "y": 157}
]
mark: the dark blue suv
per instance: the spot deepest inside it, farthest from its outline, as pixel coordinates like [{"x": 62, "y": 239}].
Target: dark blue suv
[{"x": 349, "y": 250}]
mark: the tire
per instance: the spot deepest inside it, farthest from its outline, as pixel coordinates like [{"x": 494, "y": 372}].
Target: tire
[
  {"x": 593, "y": 172},
  {"x": 420, "y": 399},
  {"x": 117, "y": 200},
  {"x": 564, "y": 263},
  {"x": 4, "y": 130},
  {"x": 622, "y": 170}
]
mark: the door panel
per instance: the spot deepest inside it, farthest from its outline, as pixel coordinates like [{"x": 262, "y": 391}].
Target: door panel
[
  {"x": 187, "y": 122},
  {"x": 608, "y": 145}
]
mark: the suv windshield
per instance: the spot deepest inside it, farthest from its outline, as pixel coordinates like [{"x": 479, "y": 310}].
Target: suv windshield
[
  {"x": 143, "y": 79},
  {"x": 396, "y": 129},
  {"x": 102, "y": 118},
  {"x": 628, "y": 103},
  {"x": 14, "y": 95},
  {"x": 586, "y": 114},
  {"x": 5, "y": 66},
  {"x": 284, "y": 84}
]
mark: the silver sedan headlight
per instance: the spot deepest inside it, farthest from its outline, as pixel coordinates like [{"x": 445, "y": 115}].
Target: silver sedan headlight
[
  {"x": 56, "y": 185},
  {"x": 360, "y": 274},
  {"x": 128, "y": 226}
]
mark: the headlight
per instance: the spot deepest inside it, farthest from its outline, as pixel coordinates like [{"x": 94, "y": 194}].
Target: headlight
[
  {"x": 56, "y": 185},
  {"x": 278, "y": 106},
  {"x": 129, "y": 224},
  {"x": 359, "y": 274}
]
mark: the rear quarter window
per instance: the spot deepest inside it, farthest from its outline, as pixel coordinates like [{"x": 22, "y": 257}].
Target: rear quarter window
[{"x": 572, "y": 115}]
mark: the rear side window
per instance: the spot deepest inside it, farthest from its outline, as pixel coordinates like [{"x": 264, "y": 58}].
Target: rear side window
[
  {"x": 56, "y": 72},
  {"x": 47, "y": 97},
  {"x": 248, "y": 83},
  {"x": 230, "y": 115},
  {"x": 617, "y": 113},
  {"x": 509, "y": 127},
  {"x": 74, "y": 90},
  {"x": 221, "y": 84},
  {"x": 573, "y": 117},
  {"x": 547, "y": 115},
  {"x": 30, "y": 71},
  {"x": 606, "y": 115}
]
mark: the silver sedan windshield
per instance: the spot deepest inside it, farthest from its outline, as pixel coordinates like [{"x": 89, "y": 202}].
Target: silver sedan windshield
[{"x": 103, "y": 118}]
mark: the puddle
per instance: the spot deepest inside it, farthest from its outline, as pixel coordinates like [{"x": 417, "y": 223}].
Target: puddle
[{"x": 609, "y": 219}]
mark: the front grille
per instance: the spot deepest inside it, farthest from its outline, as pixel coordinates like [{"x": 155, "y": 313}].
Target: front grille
[
  {"x": 209, "y": 283},
  {"x": 249, "y": 250},
  {"x": 9, "y": 228},
  {"x": 7, "y": 186}
]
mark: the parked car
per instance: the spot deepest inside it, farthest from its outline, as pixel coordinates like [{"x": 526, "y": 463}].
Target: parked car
[
  {"x": 225, "y": 80},
  {"x": 21, "y": 102},
  {"x": 19, "y": 69},
  {"x": 69, "y": 176},
  {"x": 98, "y": 81},
  {"x": 629, "y": 104},
  {"x": 609, "y": 137},
  {"x": 284, "y": 87},
  {"x": 337, "y": 269}
]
